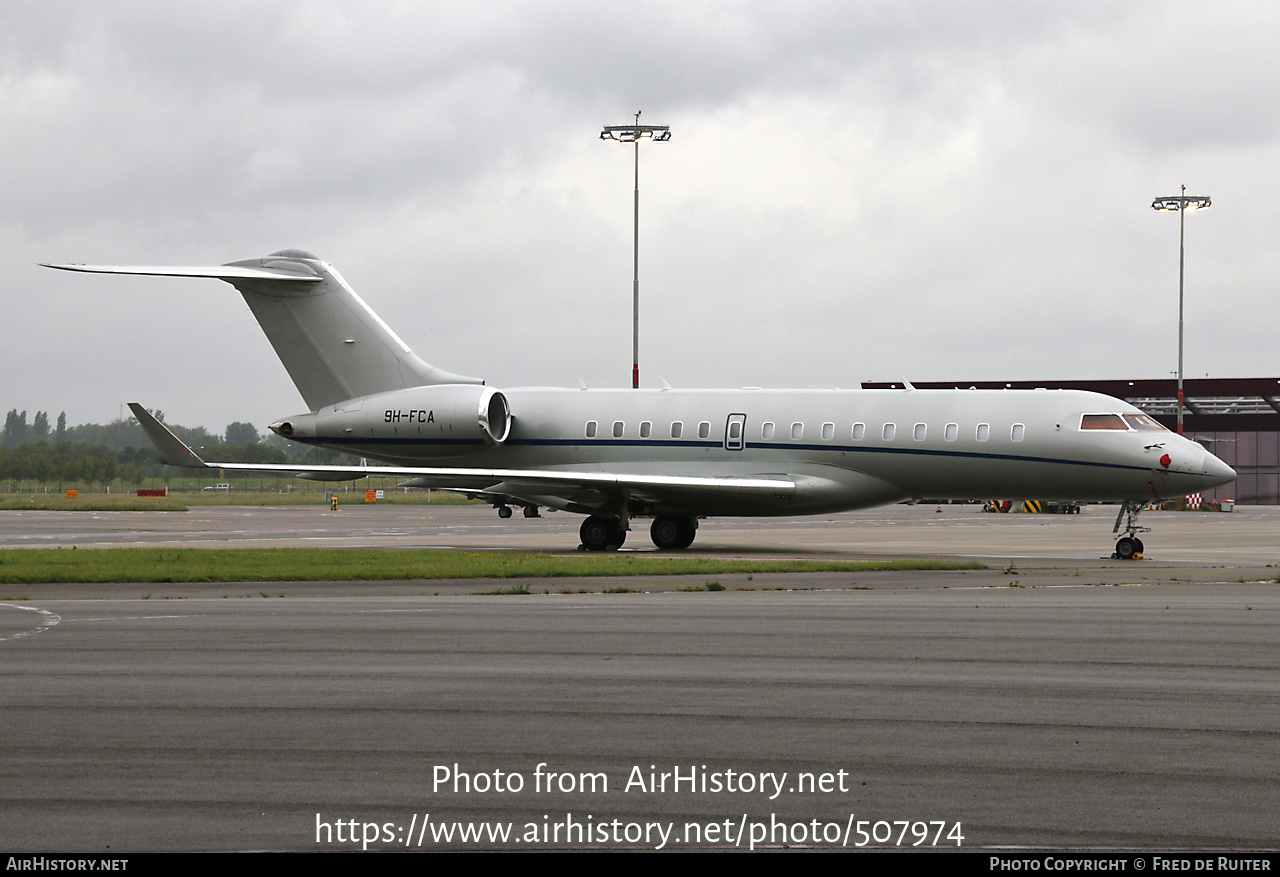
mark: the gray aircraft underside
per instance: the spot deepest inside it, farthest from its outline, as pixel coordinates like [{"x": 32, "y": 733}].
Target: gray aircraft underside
[{"x": 676, "y": 455}]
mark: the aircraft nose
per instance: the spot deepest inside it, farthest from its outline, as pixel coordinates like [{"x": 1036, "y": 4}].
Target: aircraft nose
[{"x": 1216, "y": 472}]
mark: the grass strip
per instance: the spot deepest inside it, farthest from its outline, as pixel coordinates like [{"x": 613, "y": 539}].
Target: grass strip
[
  {"x": 346, "y": 499},
  {"x": 179, "y": 502},
  {"x": 35, "y": 565},
  {"x": 97, "y": 504},
  {"x": 124, "y": 500}
]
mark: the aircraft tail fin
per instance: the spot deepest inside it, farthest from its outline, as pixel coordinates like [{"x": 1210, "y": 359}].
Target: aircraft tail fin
[{"x": 331, "y": 343}]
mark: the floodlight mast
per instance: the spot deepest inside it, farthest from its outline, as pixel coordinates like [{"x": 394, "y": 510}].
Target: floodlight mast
[
  {"x": 1181, "y": 203},
  {"x": 634, "y": 134}
]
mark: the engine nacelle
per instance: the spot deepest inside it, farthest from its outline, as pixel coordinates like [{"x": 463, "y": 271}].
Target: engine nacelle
[{"x": 436, "y": 421}]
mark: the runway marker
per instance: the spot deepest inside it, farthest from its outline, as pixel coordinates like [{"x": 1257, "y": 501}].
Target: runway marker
[{"x": 48, "y": 621}]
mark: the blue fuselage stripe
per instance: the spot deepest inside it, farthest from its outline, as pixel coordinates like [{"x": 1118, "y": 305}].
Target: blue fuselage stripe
[{"x": 369, "y": 441}]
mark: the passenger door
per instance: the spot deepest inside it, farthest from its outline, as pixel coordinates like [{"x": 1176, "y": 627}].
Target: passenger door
[{"x": 734, "y": 431}]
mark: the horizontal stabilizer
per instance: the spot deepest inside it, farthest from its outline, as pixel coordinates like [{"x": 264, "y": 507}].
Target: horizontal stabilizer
[{"x": 230, "y": 273}]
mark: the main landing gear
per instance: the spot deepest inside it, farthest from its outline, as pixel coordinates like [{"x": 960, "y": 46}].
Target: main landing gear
[
  {"x": 602, "y": 533},
  {"x": 1129, "y": 546},
  {"x": 669, "y": 532}
]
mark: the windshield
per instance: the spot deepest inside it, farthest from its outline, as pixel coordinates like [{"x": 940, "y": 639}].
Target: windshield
[
  {"x": 1101, "y": 421},
  {"x": 1144, "y": 422}
]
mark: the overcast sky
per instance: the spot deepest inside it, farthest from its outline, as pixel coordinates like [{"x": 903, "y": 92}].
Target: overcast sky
[{"x": 853, "y": 190}]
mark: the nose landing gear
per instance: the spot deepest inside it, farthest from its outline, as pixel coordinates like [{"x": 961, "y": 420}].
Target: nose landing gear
[{"x": 1129, "y": 546}]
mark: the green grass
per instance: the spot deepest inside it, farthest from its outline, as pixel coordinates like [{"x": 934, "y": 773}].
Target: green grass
[
  {"x": 98, "y": 502},
  {"x": 32, "y": 565},
  {"x": 316, "y": 497},
  {"x": 179, "y": 501}
]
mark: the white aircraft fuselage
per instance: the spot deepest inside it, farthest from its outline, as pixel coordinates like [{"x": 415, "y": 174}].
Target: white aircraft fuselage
[
  {"x": 848, "y": 449},
  {"x": 676, "y": 455}
]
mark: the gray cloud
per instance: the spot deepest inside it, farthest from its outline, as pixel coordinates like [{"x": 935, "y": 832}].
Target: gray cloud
[{"x": 853, "y": 191}]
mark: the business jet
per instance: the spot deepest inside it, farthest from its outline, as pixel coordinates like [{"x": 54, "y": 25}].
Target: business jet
[{"x": 675, "y": 456}]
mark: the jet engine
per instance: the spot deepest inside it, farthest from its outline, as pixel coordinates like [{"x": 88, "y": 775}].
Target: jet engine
[{"x": 435, "y": 421}]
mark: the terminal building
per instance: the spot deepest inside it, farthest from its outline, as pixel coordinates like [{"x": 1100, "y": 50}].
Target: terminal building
[{"x": 1238, "y": 419}]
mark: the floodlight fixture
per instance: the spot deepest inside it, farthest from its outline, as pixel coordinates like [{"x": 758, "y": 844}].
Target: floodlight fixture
[{"x": 1181, "y": 203}]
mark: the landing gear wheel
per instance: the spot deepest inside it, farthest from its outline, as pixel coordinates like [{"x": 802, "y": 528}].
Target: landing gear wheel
[
  {"x": 1129, "y": 544},
  {"x": 531, "y": 511},
  {"x": 670, "y": 532},
  {"x": 504, "y": 511},
  {"x": 666, "y": 532},
  {"x": 1127, "y": 547},
  {"x": 599, "y": 533}
]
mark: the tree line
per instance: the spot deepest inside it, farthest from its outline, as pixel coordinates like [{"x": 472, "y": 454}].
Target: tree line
[{"x": 92, "y": 453}]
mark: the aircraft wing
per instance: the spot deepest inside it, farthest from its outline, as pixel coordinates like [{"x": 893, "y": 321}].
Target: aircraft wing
[{"x": 575, "y": 486}]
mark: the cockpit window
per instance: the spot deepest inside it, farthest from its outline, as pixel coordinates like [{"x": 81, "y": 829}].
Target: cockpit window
[
  {"x": 1101, "y": 421},
  {"x": 1144, "y": 422}
]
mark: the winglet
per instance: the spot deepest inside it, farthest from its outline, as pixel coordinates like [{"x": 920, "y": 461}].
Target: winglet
[{"x": 171, "y": 448}]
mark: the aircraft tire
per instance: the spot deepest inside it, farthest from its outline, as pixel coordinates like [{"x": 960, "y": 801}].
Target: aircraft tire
[
  {"x": 672, "y": 532},
  {"x": 690, "y": 531},
  {"x": 666, "y": 532},
  {"x": 531, "y": 511},
  {"x": 600, "y": 533},
  {"x": 1126, "y": 548},
  {"x": 504, "y": 511},
  {"x": 1138, "y": 544}
]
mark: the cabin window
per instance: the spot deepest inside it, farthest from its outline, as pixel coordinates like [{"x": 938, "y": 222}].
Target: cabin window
[
  {"x": 735, "y": 430},
  {"x": 645, "y": 428},
  {"x": 1101, "y": 421},
  {"x": 984, "y": 431},
  {"x": 704, "y": 429},
  {"x": 828, "y": 431},
  {"x": 889, "y": 431},
  {"x": 859, "y": 431},
  {"x": 919, "y": 431},
  {"x": 797, "y": 431},
  {"x": 1144, "y": 422},
  {"x": 677, "y": 428},
  {"x": 617, "y": 429},
  {"x": 952, "y": 432},
  {"x": 591, "y": 429},
  {"x": 766, "y": 431},
  {"x": 1018, "y": 431}
]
